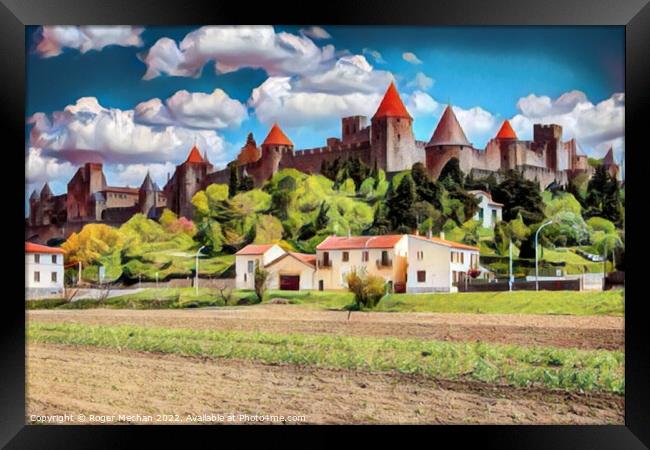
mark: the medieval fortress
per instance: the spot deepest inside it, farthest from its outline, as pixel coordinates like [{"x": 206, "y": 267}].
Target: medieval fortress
[{"x": 387, "y": 142}]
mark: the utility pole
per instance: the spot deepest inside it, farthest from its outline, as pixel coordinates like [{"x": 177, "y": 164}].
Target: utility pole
[
  {"x": 156, "y": 280},
  {"x": 536, "y": 259},
  {"x": 79, "y": 280},
  {"x": 510, "y": 274},
  {"x": 196, "y": 272}
]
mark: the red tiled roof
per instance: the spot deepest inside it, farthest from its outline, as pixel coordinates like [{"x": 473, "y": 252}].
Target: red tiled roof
[
  {"x": 277, "y": 137},
  {"x": 31, "y": 247},
  {"x": 453, "y": 244},
  {"x": 391, "y": 105},
  {"x": 506, "y": 131},
  {"x": 305, "y": 257},
  {"x": 254, "y": 249},
  {"x": 194, "y": 156},
  {"x": 355, "y": 242},
  {"x": 448, "y": 131}
]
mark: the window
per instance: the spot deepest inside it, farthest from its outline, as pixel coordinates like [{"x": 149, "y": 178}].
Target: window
[
  {"x": 244, "y": 278},
  {"x": 53, "y": 259},
  {"x": 384, "y": 258},
  {"x": 494, "y": 216},
  {"x": 251, "y": 266},
  {"x": 454, "y": 276},
  {"x": 346, "y": 256},
  {"x": 53, "y": 277},
  {"x": 364, "y": 256},
  {"x": 462, "y": 258},
  {"x": 37, "y": 259},
  {"x": 422, "y": 276},
  {"x": 480, "y": 213},
  {"x": 398, "y": 137},
  {"x": 37, "y": 277},
  {"x": 420, "y": 255},
  {"x": 326, "y": 259}
]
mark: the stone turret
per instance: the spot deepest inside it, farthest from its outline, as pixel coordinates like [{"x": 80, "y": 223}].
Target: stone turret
[
  {"x": 391, "y": 133},
  {"x": 448, "y": 141},
  {"x": 147, "y": 196}
]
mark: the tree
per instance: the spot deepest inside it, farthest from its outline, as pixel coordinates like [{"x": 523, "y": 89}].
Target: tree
[
  {"x": 519, "y": 196},
  {"x": 400, "y": 202},
  {"x": 426, "y": 189},
  {"x": 233, "y": 183},
  {"x": 261, "y": 279},
  {"x": 451, "y": 173},
  {"x": 246, "y": 183},
  {"x": 603, "y": 196}
]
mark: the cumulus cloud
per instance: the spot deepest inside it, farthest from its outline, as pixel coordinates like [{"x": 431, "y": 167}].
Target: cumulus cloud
[
  {"x": 421, "y": 82},
  {"x": 193, "y": 109},
  {"x": 316, "y": 33},
  {"x": 350, "y": 86},
  {"x": 231, "y": 48},
  {"x": 477, "y": 123},
  {"x": 87, "y": 131},
  {"x": 53, "y": 39},
  {"x": 421, "y": 104},
  {"x": 133, "y": 174},
  {"x": 375, "y": 55},
  {"x": 41, "y": 169},
  {"x": 595, "y": 126},
  {"x": 410, "y": 57}
]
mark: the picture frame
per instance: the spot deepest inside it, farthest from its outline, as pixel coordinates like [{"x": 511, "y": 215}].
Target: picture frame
[{"x": 634, "y": 15}]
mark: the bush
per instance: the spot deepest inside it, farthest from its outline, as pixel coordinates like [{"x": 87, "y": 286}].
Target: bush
[{"x": 367, "y": 289}]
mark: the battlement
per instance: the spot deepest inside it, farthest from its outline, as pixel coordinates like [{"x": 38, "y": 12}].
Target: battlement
[
  {"x": 543, "y": 133},
  {"x": 329, "y": 150}
]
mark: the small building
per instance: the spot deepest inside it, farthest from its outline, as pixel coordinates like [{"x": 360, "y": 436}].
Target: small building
[
  {"x": 43, "y": 271},
  {"x": 247, "y": 257},
  {"x": 489, "y": 212},
  {"x": 292, "y": 272}
]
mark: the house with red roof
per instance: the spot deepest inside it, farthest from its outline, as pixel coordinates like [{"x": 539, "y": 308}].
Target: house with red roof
[
  {"x": 408, "y": 263},
  {"x": 43, "y": 271}
]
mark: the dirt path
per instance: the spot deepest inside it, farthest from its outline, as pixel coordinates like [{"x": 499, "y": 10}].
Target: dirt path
[
  {"x": 86, "y": 380},
  {"x": 600, "y": 332}
]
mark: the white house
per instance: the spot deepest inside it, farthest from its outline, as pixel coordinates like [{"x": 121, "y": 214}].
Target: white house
[
  {"x": 408, "y": 263},
  {"x": 43, "y": 271},
  {"x": 489, "y": 212},
  {"x": 247, "y": 257}
]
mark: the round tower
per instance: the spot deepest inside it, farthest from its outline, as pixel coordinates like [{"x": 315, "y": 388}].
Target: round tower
[
  {"x": 147, "y": 196},
  {"x": 448, "y": 141},
  {"x": 391, "y": 135},
  {"x": 275, "y": 147}
]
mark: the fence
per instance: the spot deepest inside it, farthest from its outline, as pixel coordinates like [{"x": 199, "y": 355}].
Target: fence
[{"x": 544, "y": 285}]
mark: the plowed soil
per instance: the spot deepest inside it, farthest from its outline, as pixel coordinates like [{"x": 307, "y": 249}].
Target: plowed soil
[
  {"x": 587, "y": 332},
  {"x": 100, "y": 382}
]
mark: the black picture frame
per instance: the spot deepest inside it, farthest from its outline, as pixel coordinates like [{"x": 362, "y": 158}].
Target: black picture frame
[{"x": 634, "y": 15}]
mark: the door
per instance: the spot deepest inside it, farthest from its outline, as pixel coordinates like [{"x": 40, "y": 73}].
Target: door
[
  {"x": 289, "y": 282},
  {"x": 320, "y": 285}
]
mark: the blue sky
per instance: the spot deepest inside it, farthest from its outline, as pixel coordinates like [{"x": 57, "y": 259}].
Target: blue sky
[{"x": 570, "y": 75}]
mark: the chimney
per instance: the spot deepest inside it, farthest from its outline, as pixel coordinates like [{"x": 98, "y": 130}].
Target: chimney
[{"x": 442, "y": 235}]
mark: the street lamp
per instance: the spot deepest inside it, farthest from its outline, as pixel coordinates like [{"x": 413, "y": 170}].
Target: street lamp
[
  {"x": 196, "y": 271},
  {"x": 536, "y": 260}
]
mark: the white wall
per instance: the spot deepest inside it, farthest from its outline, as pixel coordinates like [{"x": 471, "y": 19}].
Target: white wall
[
  {"x": 435, "y": 262},
  {"x": 45, "y": 287},
  {"x": 487, "y": 211}
]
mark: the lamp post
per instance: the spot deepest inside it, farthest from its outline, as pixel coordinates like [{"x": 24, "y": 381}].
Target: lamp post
[
  {"x": 510, "y": 274},
  {"x": 536, "y": 259},
  {"x": 196, "y": 271}
]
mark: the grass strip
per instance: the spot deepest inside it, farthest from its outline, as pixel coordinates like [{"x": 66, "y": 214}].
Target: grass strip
[{"x": 521, "y": 366}]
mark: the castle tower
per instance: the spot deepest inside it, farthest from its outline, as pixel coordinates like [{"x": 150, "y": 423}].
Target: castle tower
[
  {"x": 549, "y": 137},
  {"x": 147, "y": 196},
  {"x": 85, "y": 182},
  {"x": 249, "y": 153},
  {"x": 448, "y": 141},
  {"x": 46, "y": 192},
  {"x": 610, "y": 163},
  {"x": 188, "y": 179},
  {"x": 33, "y": 205},
  {"x": 391, "y": 136},
  {"x": 506, "y": 141},
  {"x": 275, "y": 147}
]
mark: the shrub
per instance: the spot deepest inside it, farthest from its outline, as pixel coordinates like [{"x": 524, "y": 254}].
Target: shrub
[
  {"x": 367, "y": 289},
  {"x": 261, "y": 279}
]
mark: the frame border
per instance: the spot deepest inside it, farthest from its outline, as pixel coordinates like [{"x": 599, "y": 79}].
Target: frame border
[{"x": 634, "y": 15}]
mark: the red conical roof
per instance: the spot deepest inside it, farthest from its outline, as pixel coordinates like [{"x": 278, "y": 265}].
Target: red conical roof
[
  {"x": 448, "y": 131},
  {"x": 277, "y": 137},
  {"x": 506, "y": 131},
  {"x": 194, "y": 156},
  {"x": 391, "y": 105},
  {"x": 608, "y": 160}
]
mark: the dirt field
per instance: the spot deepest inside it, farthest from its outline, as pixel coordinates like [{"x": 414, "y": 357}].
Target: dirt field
[
  {"x": 83, "y": 380},
  {"x": 595, "y": 332}
]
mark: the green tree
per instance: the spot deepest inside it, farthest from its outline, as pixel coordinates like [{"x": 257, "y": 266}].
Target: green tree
[
  {"x": 603, "y": 196},
  {"x": 400, "y": 205},
  {"x": 519, "y": 196},
  {"x": 451, "y": 173},
  {"x": 233, "y": 183},
  {"x": 260, "y": 281}
]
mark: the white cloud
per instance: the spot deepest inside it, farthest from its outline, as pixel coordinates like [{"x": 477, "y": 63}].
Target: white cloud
[
  {"x": 234, "y": 47},
  {"x": 41, "y": 169},
  {"x": 594, "y": 126},
  {"x": 421, "y": 82},
  {"x": 410, "y": 57},
  {"x": 195, "y": 110},
  {"x": 315, "y": 33},
  {"x": 133, "y": 174},
  {"x": 376, "y": 56},
  {"x": 477, "y": 123},
  {"x": 350, "y": 86},
  {"x": 54, "y": 39},
  {"x": 89, "y": 130},
  {"x": 421, "y": 104}
]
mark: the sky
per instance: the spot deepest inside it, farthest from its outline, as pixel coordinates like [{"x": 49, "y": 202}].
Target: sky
[{"x": 138, "y": 98}]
